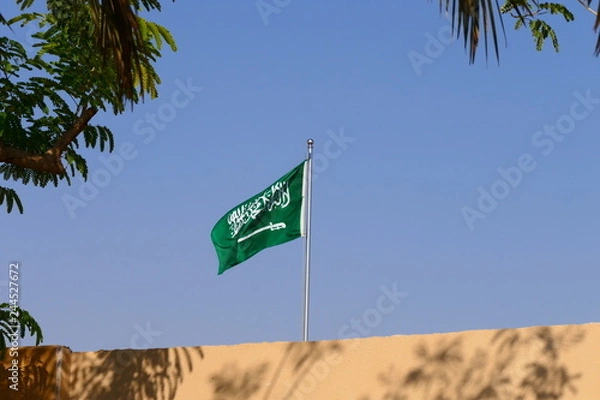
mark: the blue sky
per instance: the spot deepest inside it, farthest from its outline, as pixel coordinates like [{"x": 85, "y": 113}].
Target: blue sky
[{"x": 418, "y": 146}]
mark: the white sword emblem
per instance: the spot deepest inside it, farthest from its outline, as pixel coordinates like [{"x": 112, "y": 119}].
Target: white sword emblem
[{"x": 271, "y": 227}]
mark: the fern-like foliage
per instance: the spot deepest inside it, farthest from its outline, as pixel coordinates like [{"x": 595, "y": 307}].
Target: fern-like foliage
[
  {"x": 10, "y": 198},
  {"x": 17, "y": 323},
  {"x": 531, "y": 13},
  {"x": 45, "y": 89}
]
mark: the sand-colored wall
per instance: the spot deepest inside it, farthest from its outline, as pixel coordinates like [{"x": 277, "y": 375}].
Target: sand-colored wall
[
  {"x": 35, "y": 373},
  {"x": 557, "y": 362}
]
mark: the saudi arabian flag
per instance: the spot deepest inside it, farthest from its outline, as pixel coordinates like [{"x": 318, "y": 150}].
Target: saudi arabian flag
[{"x": 272, "y": 217}]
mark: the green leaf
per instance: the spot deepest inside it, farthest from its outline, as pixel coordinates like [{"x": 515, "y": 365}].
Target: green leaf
[
  {"x": 542, "y": 31},
  {"x": 10, "y": 197},
  {"x": 44, "y": 87},
  {"x": 556, "y": 8}
]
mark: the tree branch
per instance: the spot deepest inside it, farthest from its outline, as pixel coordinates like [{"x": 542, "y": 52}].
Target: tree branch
[
  {"x": 81, "y": 122},
  {"x": 38, "y": 162},
  {"x": 50, "y": 161},
  {"x": 587, "y": 7}
]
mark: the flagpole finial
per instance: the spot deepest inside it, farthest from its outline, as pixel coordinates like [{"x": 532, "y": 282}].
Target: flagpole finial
[{"x": 310, "y": 142}]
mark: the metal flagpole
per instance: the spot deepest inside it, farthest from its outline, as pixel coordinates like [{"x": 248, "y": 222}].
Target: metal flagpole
[{"x": 307, "y": 214}]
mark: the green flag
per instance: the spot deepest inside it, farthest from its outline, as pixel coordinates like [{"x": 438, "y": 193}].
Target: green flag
[{"x": 272, "y": 217}]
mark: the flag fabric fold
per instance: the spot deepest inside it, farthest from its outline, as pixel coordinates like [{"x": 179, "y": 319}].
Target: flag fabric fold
[{"x": 270, "y": 218}]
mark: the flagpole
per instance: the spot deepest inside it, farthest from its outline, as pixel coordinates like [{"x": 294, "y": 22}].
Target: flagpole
[{"x": 307, "y": 214}]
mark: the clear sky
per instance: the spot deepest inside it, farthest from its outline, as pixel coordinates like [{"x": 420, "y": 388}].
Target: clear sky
[{"x": 408, "y": 196}]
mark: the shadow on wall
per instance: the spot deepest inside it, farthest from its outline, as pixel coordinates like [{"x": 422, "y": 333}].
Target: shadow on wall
[
  {"x": 516, "y": 365},
  {"x": 134, "y": 374},
  {"x": 297, "y": 364},
  {"x": 35, "y": 375}
]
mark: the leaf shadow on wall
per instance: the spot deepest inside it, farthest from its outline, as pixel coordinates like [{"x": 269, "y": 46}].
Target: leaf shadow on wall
[
  {"x": 517, "y": 364},
  {"x": 294, "y": 370},
  {"x": 135, "y": 374},
  {"x": 35, "y": 377}
]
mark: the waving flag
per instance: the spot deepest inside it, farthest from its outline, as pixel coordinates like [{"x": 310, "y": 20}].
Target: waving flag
[{"x": 270, "y": 218}]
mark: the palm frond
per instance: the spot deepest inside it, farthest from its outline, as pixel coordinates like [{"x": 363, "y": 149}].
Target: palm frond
[
  {"x": 596, "y": 26},
  {"x": 470, "y": 18},
  {"x": 119, "y": 39}
]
